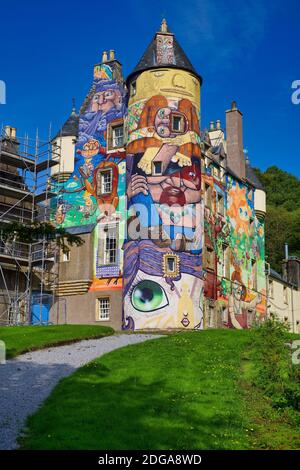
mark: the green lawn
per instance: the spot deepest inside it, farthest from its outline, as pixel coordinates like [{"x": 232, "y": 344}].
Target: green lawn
[
  {"x": 185, "y": 391},
  {"x": 20, "y": 339}
]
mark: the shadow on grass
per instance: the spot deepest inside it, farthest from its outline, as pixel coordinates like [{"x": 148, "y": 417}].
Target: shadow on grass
[{"x": 96, "y": 409}]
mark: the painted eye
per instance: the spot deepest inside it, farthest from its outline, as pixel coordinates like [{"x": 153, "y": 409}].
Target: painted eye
[{"x": 148, "y": 296}]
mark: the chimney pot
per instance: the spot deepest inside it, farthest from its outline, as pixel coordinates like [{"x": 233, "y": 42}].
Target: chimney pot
[
  {"x": 234, "y": 106},
  {"x": 218, "y": 124},
  {"x": 212, "y": 126},
  {"x": 112, "y": 54},
  {"x": 104, "y": 56},
  {"x": 11, "y": 132}
]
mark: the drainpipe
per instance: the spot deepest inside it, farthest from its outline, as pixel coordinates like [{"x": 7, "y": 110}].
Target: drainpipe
[
  {"x": 267, "y": 271},
  {"x": 292, "y": 298}
]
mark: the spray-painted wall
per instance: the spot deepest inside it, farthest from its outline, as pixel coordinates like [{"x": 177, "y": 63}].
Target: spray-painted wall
[
  {"x": 163, "y": 285},
  {"x": 235, "y": 259},
  {"x": 82, "y": 199}
]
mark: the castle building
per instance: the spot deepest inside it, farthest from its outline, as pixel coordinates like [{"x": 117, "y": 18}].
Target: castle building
[{"x": 172, "y": 215}]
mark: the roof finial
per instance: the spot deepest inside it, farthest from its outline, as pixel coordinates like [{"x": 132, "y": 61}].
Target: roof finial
[
  {"x": 164, "y": 26},
  {"x": 74, "y": 106}
]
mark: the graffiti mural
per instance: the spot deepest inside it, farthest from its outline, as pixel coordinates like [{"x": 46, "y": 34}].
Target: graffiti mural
[
  {"x": 236, "y": 278},
  {"x": 155, "y": 298},
  {"x": 95, "y": 192},
  {"x": 165, "y": 208},
  {"x": 82, "y": 201}
]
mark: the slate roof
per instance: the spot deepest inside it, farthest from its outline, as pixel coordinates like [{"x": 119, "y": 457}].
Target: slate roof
[
  {"x": 148, "y": 60},
  {"x": 252, "y": 177},
  {"x": 80, "y": 230},
  {"x": 70, "y": 127}
]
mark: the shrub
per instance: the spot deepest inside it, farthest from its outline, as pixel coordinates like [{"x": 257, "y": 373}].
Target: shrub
[{"x": 273, "y": 369}]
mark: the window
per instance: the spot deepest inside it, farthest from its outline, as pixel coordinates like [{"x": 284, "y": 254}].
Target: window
[
  {"x": 220, "y": 204},
  {"x": 209, "y": 259},
  {"x": 110, "y": 253},
  {"x": 252, "y": 227},
  {"x": 133, "y": 88},
  {"x": 216, "y": 172},
  {"x": 254, "y": 274},
  {"x": 115, "y": 135},
  {"x": 225, "y": 262},
  {"x": 224, "y": 315},
  {"x": 66, "y": 256},
  {"x": 103, "y": 308},
  {"x": 177, "y": 123},
  {"x": 108, "y": 245},
  {"x": 285, "y": 295},
  {"x": 104, "y": 182},
  {"x": 207, "y": 196},
  {"x": 170, "y": 265},
  {"x": 210, "y": 317},
  {"x": 157, "y": 168},
  {"x": 271, "y": 289},
  {"x": 118, "y": 136}
]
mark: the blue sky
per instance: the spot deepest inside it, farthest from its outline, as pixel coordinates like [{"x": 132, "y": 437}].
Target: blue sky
[{"x": 245, "y": 50}]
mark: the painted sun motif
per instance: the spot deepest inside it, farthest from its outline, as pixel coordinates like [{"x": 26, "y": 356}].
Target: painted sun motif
[{"x": 238, "y": 209}]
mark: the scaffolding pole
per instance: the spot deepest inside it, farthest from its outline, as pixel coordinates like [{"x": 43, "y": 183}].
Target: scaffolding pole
[{"x": 26, "y": 190}]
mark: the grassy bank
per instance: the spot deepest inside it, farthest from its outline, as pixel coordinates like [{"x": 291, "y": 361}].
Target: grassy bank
[
  {"x": 185, "y": 391},
  {"x": 20, "y": 339}
]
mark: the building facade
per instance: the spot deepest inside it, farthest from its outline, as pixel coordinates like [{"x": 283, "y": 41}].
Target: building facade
[
  {"x": 172, "y": 215},
  {"x": 284, "y": 293}
]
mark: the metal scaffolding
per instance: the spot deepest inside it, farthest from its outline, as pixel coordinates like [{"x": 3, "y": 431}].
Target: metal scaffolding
[{"x": 28, "y": 271}]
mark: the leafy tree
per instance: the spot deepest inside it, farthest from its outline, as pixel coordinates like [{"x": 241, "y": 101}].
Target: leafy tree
[
  {"x": 37, "y": 231},
  {"x": 283, "y": 214}
]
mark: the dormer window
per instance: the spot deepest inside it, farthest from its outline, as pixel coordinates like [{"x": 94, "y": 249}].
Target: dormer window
[{"x": 133, "y": 89}]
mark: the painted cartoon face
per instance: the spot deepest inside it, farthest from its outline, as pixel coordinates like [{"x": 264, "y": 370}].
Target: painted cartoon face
[
  {"x": 152, "y": 304},
  {"x": 106, "y": 100},
  {"x": 162, "y": 122},
  {"x": 237, "y": 290},
  {"x": 90, "y": 148},
  {"x": 169, "y": 123},
  {"x": 180, "y": 187},
  {"x": 243, "y": 213},
  {"x": 148, "y": 296}
]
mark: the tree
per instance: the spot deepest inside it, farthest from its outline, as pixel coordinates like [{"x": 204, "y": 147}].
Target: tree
[
  {"x": 282, "y": 222},
  {"x": 37, "y": 231}
]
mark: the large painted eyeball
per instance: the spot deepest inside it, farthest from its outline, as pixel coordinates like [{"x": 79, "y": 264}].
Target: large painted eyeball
[{"x": 148, "y": 296}]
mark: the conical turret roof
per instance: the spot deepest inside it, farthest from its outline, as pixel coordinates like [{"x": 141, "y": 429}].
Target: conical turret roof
[{"x": 163, "y": 51}]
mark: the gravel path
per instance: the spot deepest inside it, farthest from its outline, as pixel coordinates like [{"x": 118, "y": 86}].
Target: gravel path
[{"x": 26, "y": 381}]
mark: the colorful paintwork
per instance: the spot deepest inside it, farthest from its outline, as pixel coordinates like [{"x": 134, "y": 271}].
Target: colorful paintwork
[
  {"x": 82, "y": 200},
  {"x": 165, "y": 50},
  {"x": 79, "y": 203},
  {"x": 165, "y": 209},
  {"x": 185, "y": 245},
  {"x": 235, "y": 279},
  {"x": 154, "y": 299}
]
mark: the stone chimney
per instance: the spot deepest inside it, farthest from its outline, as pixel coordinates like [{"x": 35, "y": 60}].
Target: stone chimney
[
  {"x": 109, "y": 60},
  {"x": 234, "y": 141},
  {"x": 291, "y": 270}
]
